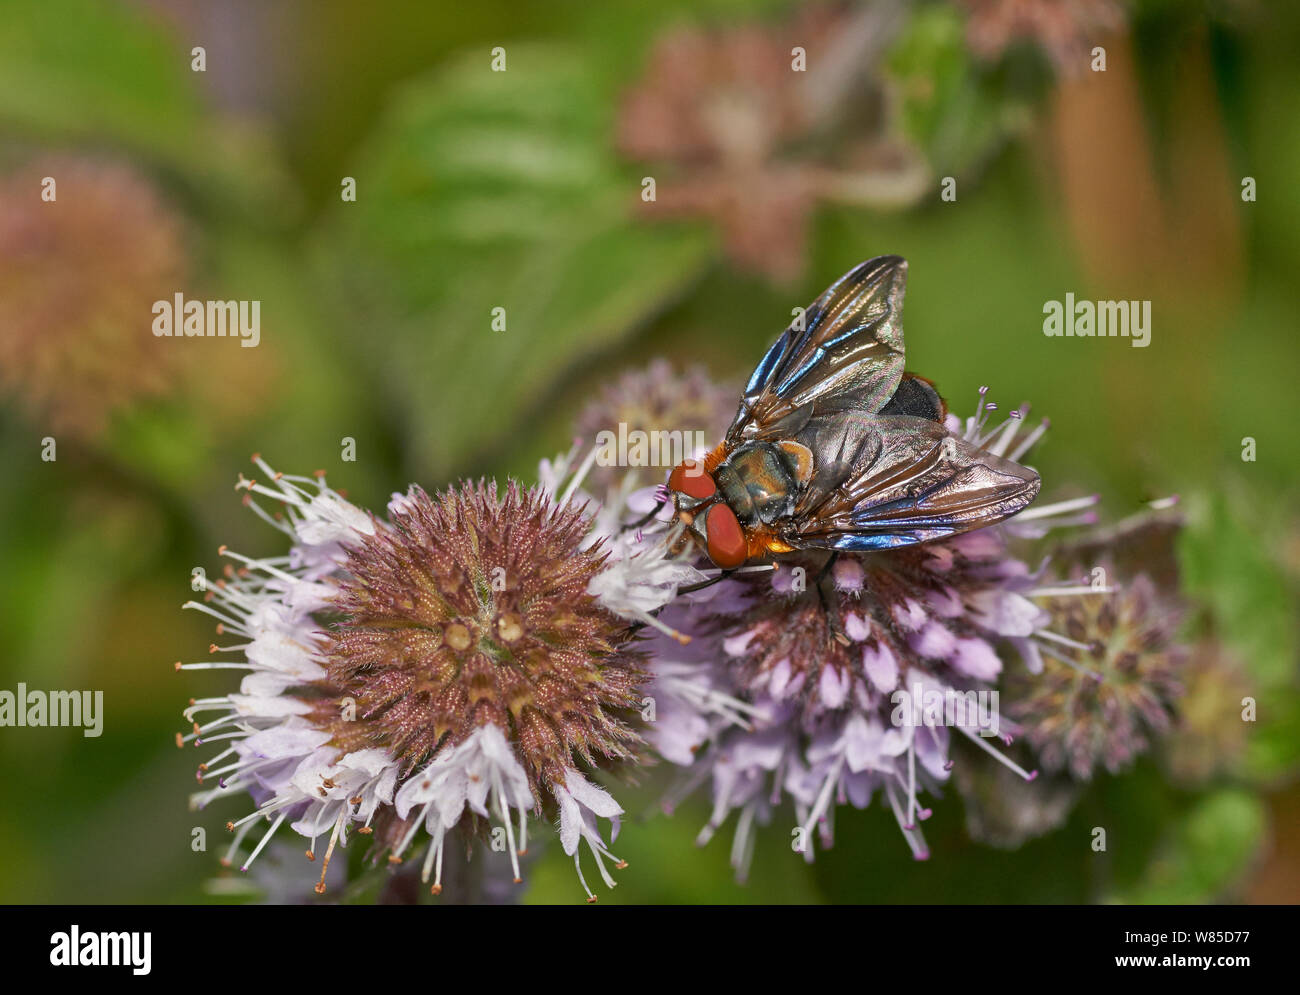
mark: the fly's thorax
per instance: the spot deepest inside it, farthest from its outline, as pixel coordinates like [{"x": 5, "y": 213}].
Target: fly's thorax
[
  {"x": 760, "y": 481},
  {"x": 753, "y": 486}
]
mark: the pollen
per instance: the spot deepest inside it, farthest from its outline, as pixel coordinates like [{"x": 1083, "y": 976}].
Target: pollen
[
  {"x": 458, "y": 637},
  {"x": 510, "y": 627}
]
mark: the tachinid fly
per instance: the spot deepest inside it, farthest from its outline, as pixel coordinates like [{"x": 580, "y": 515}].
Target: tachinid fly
[{"x": 836, "y": 448}]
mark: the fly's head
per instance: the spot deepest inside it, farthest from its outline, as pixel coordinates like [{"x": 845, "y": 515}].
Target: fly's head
[{"x": 710, "y": 523}]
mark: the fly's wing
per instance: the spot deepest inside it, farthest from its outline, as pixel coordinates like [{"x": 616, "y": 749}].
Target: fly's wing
[
  {"x": 886, "y": 481},
  {"x": 846, "y": 354}
]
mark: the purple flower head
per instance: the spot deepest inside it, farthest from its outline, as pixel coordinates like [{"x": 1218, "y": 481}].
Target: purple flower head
[{"x": 786, "y": 694}]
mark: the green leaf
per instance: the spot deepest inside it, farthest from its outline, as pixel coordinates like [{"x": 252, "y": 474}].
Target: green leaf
[
  {"x": 1224, "y": 555},
  {"x": 484, "y": 190},
  {"x": 88, "y": 72},
  {"x": 1273, "y": 750},
  {"x": 955, "y": 111},
  {"x": 80, "y": 66},
  {"x": 1205, "y": 854},
  {"x": 68, "y": 543}
]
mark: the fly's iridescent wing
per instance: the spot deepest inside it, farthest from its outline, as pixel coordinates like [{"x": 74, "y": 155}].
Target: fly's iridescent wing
[
  {"x": 895, "y": 480},
  {"x": 884, "y": 471},
  {"x": 846, "y": 354}
]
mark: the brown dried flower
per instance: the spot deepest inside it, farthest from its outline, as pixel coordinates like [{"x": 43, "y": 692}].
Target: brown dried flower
[{"x": 78, "y": 278}]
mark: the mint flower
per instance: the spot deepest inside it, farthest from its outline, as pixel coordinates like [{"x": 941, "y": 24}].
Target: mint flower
[
  {"x": 766, "y": 705},
  {"x": 451, "y": 667}
]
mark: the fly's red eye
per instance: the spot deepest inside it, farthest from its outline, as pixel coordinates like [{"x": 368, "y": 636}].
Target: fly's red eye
[
  {"x": 689, "y": 478},
  {"x": 726, "y": 539}
]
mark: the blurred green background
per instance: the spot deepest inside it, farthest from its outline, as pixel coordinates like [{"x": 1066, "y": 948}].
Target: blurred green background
[{"x": 521, "y": 189}]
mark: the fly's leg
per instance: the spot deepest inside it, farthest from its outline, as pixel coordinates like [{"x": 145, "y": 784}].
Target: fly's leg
[
  {"x": 830, "y": 601},
  {"x": 688, "y": 589},
  {"x": 646, "y": 518},
  {"x": 700, "y": 585}
]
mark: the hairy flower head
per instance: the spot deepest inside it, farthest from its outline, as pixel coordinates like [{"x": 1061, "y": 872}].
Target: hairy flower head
[
  {"x": 78, "y": 278},
  {"x": 472, "y": 610},
  {"x": 827, "y": 683},
  {"x": 1109, "y": 687},
  {"x": 1212, "y": 732},
  {"x": 735, "y": 122},
  {"x": 446, "y": 668}
]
